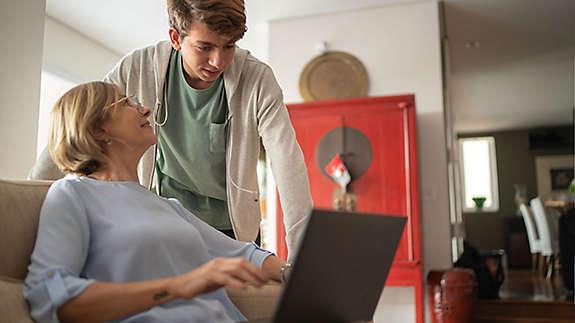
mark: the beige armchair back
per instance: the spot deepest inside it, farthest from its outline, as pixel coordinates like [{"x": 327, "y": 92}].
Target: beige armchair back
[{"x": 20, "y": 203}]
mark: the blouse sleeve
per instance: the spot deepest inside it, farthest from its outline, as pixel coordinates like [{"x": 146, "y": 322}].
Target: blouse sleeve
[
  {"x": 219, "y": 244},
  {"x": 59, "y": 254}
]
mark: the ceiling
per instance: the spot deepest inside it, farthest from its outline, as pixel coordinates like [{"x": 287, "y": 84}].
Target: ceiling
[
  {"x": 127, "y": 24},
  {"x": 510, "y": 62}
]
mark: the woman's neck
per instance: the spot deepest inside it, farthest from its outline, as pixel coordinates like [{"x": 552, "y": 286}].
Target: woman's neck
[
  {"x": 114, "y": 176},
  {"x": 117, "y": 169}
]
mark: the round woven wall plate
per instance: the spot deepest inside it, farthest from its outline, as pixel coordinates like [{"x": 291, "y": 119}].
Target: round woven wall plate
[{"x": 333, "y": 75}]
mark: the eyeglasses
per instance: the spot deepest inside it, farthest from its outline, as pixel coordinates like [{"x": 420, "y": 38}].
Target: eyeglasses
[{"x": 132, "y": 102}]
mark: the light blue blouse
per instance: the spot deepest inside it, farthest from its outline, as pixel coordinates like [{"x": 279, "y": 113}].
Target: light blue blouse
[{"x": 93, "y": 230}]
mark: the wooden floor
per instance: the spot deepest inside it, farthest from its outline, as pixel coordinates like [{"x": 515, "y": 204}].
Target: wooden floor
[
  {"x": 528, "y": 298},
  {"x": 525, "y": 285}
]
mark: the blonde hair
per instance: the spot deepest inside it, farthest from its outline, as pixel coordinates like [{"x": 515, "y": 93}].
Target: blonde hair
[
  {"x": 224, "y": 17},
  {"x": 73, "y": 120}
]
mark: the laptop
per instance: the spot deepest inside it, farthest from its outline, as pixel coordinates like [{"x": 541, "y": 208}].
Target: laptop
[{"x": 340, "y": 269}]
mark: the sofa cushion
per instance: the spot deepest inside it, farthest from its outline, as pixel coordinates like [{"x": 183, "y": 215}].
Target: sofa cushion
[
  {"x": 20, "y": 203},
  {"x": 256, "y": 303},
  {"x": 13, "y": 306}
]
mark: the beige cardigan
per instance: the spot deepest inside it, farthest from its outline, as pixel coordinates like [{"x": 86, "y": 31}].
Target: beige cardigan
[{"x": 256, "y": 109}]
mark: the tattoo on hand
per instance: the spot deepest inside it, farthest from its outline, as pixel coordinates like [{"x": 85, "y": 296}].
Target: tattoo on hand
[{"x": 160, "y": 295}]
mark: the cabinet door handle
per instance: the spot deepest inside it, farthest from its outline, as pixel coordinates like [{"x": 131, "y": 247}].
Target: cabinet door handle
[
  {"x": 344, "y": 202},
  {"x": 350, "y": 201}
]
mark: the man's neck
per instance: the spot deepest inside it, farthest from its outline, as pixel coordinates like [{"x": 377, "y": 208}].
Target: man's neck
[{"x": 197, "y": 83}]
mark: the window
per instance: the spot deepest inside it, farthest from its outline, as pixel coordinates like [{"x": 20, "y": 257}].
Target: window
[{"x": 479, "y": 174}]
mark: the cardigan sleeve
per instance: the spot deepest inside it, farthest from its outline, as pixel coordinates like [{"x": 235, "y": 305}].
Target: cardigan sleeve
[
  {"x": 59, "y": 254},
  {"x": 286, "y": 158}
]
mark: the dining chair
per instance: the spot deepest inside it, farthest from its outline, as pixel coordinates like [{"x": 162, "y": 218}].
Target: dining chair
[
  {"x": 532, "y": 235},
  {"x": 547, "y": 229}
]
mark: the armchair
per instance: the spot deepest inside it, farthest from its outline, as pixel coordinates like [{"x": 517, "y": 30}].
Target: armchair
[{"x": 20, "y": 203}]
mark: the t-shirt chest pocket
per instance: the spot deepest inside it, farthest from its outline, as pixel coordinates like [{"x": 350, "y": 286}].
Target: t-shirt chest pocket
[{"x": 218, "y": 137}]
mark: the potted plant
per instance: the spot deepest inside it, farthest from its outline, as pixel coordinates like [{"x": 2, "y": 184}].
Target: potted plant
[{"x": 479, "y": 201}]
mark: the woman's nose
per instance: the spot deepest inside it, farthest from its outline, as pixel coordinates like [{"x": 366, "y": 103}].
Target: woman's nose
[{"x": 145, "y": 111}]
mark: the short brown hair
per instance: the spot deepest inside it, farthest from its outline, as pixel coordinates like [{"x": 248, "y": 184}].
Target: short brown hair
[
  {"x": 73, "y": 119},
  {"x": 224, "y": 17}
]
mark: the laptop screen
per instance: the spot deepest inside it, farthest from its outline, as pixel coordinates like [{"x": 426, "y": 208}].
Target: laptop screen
[{"x": 340, "y": 270}]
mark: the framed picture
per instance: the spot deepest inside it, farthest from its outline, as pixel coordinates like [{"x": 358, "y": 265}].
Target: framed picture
[
  {"x": 561, "y": 178},
  {"x": 554, "y": 173}
]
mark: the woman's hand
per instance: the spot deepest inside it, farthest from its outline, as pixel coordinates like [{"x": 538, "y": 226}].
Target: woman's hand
[
  {"x": 220, "y": 272},
  {"x": 272, "y": 266}
]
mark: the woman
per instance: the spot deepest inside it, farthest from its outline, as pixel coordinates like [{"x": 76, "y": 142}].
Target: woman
[{"x": 107, "y": 248}]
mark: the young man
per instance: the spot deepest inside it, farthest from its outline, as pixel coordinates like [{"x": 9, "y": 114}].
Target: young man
[{"x": 212, "y": 103}]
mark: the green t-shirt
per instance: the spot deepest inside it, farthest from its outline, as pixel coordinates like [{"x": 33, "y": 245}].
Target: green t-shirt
[{"x": 191, "y": 162}]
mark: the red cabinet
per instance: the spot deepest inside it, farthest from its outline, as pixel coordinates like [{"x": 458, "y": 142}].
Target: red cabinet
[{"x": 377, "y": 141}]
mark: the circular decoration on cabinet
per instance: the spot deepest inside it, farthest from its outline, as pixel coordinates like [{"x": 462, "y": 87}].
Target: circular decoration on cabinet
[
  {"x": 354, "y": 147},
  {"x": 333, "y": 75}
]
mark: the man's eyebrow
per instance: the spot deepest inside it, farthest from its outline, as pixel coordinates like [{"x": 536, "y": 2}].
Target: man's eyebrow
[{"x": 207, "y": 43}]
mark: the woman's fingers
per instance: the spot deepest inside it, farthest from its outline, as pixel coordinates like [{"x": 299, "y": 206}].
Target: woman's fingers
[
  {"x": 220, "y": 272},
  {"x": 251, "y": 272},
  {"x": 243, "y": 270},
  {"x": 228, "y": 280}
]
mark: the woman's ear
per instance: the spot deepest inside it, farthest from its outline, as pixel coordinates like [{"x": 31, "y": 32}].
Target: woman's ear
[
  {"x": 99, "y": 133},
  {"x": 175, "y": 39}
]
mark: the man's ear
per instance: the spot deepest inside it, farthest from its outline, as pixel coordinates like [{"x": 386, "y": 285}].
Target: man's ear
[{"x": 175, "y": 39}]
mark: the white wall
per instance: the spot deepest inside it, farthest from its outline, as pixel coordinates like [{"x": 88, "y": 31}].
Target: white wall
[
  {"x": 21, "y": 31},
  {"x": 72, "y": 55},
  {"x": 256, "y": 38},
  {"x": 400, "y": 48},
  {"x": 30, "y": 42},
  {"x": 51, "y": 89},
  {"x": 69, "y": 58}
]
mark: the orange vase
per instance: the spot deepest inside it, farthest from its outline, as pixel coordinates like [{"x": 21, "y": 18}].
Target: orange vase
[{"x": 452, "y": 295}]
